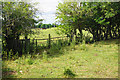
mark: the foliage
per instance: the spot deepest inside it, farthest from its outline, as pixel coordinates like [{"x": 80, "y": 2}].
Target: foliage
[
  {"x": 100, "y": 19},
  {"x": 41, "y": 25},
  {"x": 17, "y": 19}
]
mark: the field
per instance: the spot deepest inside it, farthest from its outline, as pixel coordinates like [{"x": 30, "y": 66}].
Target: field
[
  {"x": 43, "y": 34},
  {"x": 97, "y": 60}
]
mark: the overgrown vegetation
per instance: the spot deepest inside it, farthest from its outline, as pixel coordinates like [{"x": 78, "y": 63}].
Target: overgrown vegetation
[
  {"x": 98, "y": 60},
  {"x": 17, "y": 19},
  {"x": 79, "y": 55}
]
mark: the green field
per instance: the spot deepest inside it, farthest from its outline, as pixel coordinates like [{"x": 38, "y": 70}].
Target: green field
[
  {"x": 43, "y": 34},
  {"x": 97, "y": 60}
]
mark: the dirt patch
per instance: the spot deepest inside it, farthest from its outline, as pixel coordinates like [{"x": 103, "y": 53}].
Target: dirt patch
[{"x": 7, "y": 73}]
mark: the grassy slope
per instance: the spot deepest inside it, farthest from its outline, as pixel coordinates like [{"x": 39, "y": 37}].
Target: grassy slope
[
  {"x": 98, "y": 60},
  {"x": 43, "y": 34}
]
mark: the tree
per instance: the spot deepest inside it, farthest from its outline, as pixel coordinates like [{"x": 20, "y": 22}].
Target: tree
[
  {"x": 100, "y": 19},
  {"x": 17, "y": 19},
  {"x": 71, "y": 16},
  {"x": 39, "y": 25},
  {"x": 103, "y": 24}
]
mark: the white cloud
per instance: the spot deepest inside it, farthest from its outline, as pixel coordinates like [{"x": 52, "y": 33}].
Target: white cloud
[
  {"x": 48, "y": 9},
  {"x": 47, "y": 5}
]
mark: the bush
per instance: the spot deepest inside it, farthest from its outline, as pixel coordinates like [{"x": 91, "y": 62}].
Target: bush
[
  {"x": 87, "y": 38},
  {"x": 68, "y": 73}
]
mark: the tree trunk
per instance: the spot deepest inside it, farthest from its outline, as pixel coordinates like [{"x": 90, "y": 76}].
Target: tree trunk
[
  {"x": 71, "y": 36},
  {"x": 106, "y": 34},
  {"x": 80, "y": 30},
  {"x": 97, "y": 35}
]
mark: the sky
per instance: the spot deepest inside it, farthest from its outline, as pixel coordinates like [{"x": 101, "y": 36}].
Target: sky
[{"x": 47, "y": 9}]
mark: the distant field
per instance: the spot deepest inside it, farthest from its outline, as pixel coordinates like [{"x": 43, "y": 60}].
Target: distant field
[{"x": 43, "y": 34}]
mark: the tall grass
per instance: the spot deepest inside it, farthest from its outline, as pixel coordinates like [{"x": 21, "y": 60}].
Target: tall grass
[{"x": 100, "y": 61}]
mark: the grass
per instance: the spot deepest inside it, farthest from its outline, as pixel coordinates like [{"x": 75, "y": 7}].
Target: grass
[
  {"x": 43, "y": 34},
  {"x": 98, "y": 60}
]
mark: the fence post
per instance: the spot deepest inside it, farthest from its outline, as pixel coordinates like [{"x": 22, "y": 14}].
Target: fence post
[
  {"x": 2, "y": 48},
  {"x": 33, "y": 40},
  {"x": 49, "y": 41},
  {"x": 29, "y": 45},
  {"x": 22, "y": 48},
  {"x": 36, "y": 45},
  {"x": 25, "y": 46}
]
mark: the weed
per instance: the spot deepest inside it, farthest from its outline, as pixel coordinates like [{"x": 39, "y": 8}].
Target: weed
[
  {"x": 83, "y": 46},
  {"x": 10, "y": 55},
  {"x": 4, "y": 53},
  {"x": 29, "y": 61},
  {"x": 45, "y": 56},
  {"x": 16, "y": 55},
  {"x": 94, "y": 45},
  {"x": 68, "y": 73},
  {"x": 71, "y": 57},
  {"x": 55, "y": 48},
  {"x": 110, "y": 46},
  {"x": 73, "y": 45}
]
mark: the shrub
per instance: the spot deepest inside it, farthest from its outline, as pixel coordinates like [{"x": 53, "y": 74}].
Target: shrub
[
  {"x": 68, "y": 73},
  {"x": 87, "y": 38}
]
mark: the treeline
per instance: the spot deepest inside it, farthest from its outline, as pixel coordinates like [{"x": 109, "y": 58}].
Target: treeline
[
  {"x": 101, "y": 19},
  {"x": 41, "y": 25}
]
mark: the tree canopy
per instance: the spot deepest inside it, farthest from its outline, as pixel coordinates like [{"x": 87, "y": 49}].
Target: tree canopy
[
  {"x": 17, "y": 19},
  {"x": 98, "y": 18}
]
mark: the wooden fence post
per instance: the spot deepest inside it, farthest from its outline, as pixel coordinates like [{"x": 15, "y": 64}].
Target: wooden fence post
[
  {"x": 36, "y": 45},
  {"x": 49, "y": 41},
  {"x": 22, "y": 48},
  {"x": 29, "y": 45},
  {"x": 25, "y": 46},
  {"x": 33, "y": 40}
]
